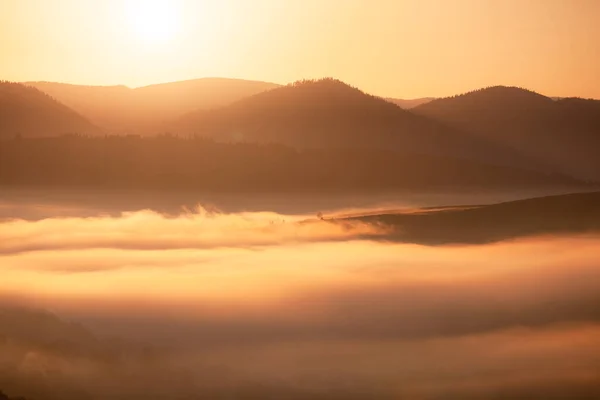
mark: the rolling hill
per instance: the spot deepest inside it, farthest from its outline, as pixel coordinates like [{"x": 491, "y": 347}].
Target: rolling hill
[
  {"x": 503, "y": 126},
  {"x": 121, "y": 109},
  {"x": 562, "y": 134},
  {"x": 327, "y": 113},
  {"x": 26, "y": 111}
]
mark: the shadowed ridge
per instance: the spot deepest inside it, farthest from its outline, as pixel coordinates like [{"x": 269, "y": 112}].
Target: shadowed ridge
[
  {"x": 497, "y": 98},
  {"x": 577, "y": 213},
  {"x": 562, "y": 135},
  {"x": 582, "y": 111},
  {"x": 313, "y": 94},
  {"x": 328, "y": 100},
  {"x": 327, "y": 113},
  {"x": 27, "y": 111},
  {"x": 499, "y": 92},
  {"x": 38, "y": 350},
  {"x": 33, "y": 345},
  {"x": 44, "y": 330}
]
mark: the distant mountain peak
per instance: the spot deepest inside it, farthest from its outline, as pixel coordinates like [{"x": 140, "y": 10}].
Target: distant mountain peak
[
  {"x": 500, "y": 92},
  {"x": 561, "y": 135},
  {"x": 501, "y": 98},
  {"x": 319, "y": 94},
  {"x": 322, "y": 82},
  {"x": 324, "y": 86}
]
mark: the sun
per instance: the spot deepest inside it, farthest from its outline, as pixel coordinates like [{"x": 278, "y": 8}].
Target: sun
[{"x": 154, "y": 21}]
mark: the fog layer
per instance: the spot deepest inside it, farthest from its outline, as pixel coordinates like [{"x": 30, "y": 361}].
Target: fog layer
[{"x": 262, "y": 305}]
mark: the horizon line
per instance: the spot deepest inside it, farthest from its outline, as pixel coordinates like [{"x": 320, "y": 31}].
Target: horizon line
[{"x": 28, "y": 82}]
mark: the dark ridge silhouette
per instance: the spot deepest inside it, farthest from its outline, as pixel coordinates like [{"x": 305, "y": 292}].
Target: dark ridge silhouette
[
  {"x": 45, "y": 331},
  {"x": 196, "y": 163},
  {"x": 407, "y": 104},
  {"x": 328, "y": 113},
  {"x": 121, "y": 109},
  {"x": 28, "y": 112},
  {"x": 38, "y": 351},
  {"x": 5, "y": 397},
  {"x": 577, "y": 213},
  {"x": 563, "y": 134},
  {"x": 32, "y": 343}
]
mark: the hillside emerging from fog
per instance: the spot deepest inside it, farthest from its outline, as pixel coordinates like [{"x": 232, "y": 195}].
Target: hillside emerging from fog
[
  {"x": 32, "y": 344},
  {"x": 26, "y": 111},
  {"x": 120, "y": 109},
  {"x": 39, "y": 351},
  {"x": 577, "y": 213},
  {"x": 563, "y": 134}
]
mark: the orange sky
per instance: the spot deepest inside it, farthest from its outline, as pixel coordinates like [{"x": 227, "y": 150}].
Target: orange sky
[{"x": 401, "y": 48}]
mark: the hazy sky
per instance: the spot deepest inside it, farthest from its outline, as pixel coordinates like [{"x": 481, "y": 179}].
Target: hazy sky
[{"x": 402, "y": 48}]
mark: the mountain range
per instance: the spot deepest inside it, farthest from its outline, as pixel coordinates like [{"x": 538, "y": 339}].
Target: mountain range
[
  {"x": 562, "y": 134},
  {"x": 120, "y": 109},
  {"x": 502, "y": 126},
  {"x": 328, "y": 113}
]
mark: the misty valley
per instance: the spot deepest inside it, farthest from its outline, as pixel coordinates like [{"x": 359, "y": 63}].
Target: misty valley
[
  {"x": 221, "y": 238},
  {"x": 126, "y": 295}
]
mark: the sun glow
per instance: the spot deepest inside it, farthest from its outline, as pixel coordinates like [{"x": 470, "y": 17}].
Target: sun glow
[{"x": 154, "y": 21}]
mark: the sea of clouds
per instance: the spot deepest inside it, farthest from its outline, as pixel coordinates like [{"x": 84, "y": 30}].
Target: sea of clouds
[{"x": 265, "y": 305}]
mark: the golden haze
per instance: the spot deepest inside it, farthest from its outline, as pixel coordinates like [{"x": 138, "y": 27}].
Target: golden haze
[{"x": 388, "y": 47}]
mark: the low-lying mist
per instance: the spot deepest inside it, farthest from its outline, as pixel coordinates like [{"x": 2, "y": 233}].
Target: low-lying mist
[{"x": 265, "y": 305}]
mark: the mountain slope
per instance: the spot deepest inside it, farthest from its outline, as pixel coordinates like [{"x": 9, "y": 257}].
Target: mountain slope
[
  {"x": 562, "y": 134},
  {"x": 577, "y": 213},
  {"x": 328, "y": 113},
  {"x": 106, "y": 106},
  {"x": 144, "y": 109},
  {"x": 43, "y": 356},
  {"x": 177, "y": 98},
  {"x": 26, "y": 111}
]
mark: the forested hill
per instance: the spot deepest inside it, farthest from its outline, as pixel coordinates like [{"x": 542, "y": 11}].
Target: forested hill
[
  {"x": 26, "y": 111},
  {"x": 563, "y": 134},
  {"x": 328, "y": 113},
  {"x": 168, "y": 162}
]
